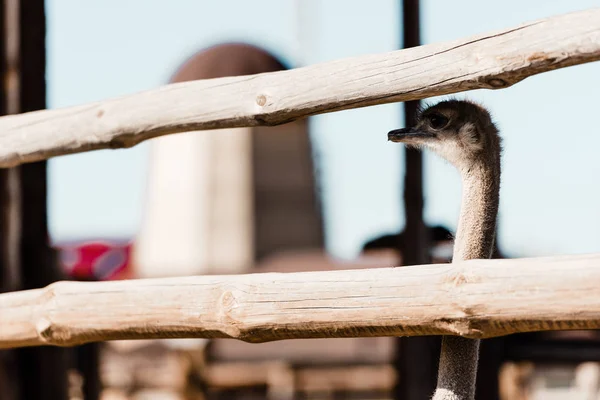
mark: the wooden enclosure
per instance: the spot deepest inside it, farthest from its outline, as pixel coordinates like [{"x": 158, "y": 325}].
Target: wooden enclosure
[{"x": 476, "y": 299}]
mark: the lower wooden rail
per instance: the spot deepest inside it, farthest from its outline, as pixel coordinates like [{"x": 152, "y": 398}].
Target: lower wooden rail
[{"x": 476, "y": 299}]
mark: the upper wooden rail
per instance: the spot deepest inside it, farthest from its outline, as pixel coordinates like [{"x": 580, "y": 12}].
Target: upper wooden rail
[
  {"x": 477, "y": 299},
  {"x": 492, "y": 61}
]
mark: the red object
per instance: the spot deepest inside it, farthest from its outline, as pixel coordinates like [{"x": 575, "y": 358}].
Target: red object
[{"x": 96, "y": 260}]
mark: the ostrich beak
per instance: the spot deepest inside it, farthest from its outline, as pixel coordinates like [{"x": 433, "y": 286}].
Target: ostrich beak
[{"x": 408, "y": 135}]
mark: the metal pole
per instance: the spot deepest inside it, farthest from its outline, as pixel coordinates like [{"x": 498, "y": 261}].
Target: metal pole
[
  {"x": 414, "y": 248},
  {"x": 416, "y": 357}
]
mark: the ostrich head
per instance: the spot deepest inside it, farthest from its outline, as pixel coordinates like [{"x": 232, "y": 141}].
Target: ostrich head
[{"x": 460, "y": 131}]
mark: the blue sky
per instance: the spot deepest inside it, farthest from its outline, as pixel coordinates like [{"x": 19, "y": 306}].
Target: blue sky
[{"x": 549, "y": 200}]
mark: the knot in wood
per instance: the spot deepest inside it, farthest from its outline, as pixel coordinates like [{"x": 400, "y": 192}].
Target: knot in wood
[
  {"x": 460, "y": 276},
  {"x": 226, "y": 307},
  {"x": 49, "y": 333},
  {"x": 261, "y": 100},
  {"x": 228, "y": 301},
  {"x": 117, "y": 143},
  {"x": 497, "y": 83},
  {"x": 539, "y": 56},
  {"x": 463, "y": 326}
]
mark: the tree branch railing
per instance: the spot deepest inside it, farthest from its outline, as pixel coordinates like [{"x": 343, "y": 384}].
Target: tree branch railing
[
  {"x": 488, "y": 61},
  {"x": 476, "y": 299}
]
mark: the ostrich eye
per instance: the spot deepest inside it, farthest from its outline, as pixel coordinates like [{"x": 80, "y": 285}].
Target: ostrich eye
[{"x": 437, "y": 121}]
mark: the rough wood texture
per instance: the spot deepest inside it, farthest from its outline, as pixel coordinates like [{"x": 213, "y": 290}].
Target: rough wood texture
[
  {"x": 476, "y": 299},
  {"x": 492, "y": 61}
]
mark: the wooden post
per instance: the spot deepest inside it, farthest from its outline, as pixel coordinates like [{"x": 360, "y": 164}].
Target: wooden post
[
  {"x": 416, "y": 357},
  {"x": 492, "y": 354},
  {"x": 41, "y": 373},
  {"x": 88, "y": 363},
  {"x": 9, "y": 273},
  {"x": 8, "y": 283}
]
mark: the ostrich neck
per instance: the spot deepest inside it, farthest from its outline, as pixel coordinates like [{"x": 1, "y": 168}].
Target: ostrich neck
[
  {"x": 474, "y": 239},
  {"x": 479, "y": 209}
]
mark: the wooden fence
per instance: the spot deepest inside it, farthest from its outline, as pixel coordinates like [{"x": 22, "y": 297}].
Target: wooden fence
[{"x": 477, "y": 299}]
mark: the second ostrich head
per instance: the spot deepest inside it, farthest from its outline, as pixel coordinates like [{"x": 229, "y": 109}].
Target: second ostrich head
[{"x": 460, "y": 131}]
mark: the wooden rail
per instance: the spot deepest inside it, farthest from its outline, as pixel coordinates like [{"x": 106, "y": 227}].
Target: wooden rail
[
  {"x": 490, "y": 61},
  {"x": 477, "y": 299}
]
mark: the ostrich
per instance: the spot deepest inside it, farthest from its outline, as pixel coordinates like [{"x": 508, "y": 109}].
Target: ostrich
[{"x": 463, "y": 133}]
